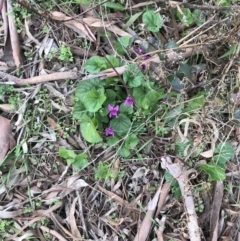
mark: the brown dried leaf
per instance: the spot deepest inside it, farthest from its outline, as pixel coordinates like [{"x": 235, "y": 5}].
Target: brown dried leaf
[
  {"x": 10, "y": 214},
  {"x": 238, "y": 133},
  {"x": 75, "y": 25},
  {"x": 7, "y": 107},
  {"x": 147, "y": 221},
  {"x": 216, "y": 206},
  {"x": 113, "y": 196},
  {"x": 54, "y": 125},
  {"x": 6, "y": 139},
  {"x": 98, "y": 23}
]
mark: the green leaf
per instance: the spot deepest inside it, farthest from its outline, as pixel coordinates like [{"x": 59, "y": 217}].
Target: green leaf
[
  {"x": 230, "y": 52},
  {"x": 111, "y": 95},
  {"x": 170, "y": 179},
  {"x": 131, "y": 141},
  {"x": 187, "y": 17},
  {"x": 183, "y": 147},
  {"x": 216, "y": 173},
  {"x": 119, "y": 48},
  {"x": 85, "y": 86},
  {"x": 224, "y": 152},
  {"x": 94, "y": 99},
  {"x": 113, "y": 60},
  {"x": 88, "y": 130},
  {"x": 66, "y": 154},
  {"x": 138, "y": 94},
  {"x": 195, "y": 103},
  {"x": 153, "y": 20},
  {"x": 84, "y": 2},
  {"x": 121, "y": 124},
  {"x": 103, "y": 171},
  {"x": 112, "y": 140},
  {"x": 115, "y": 6},
  {"x": 172, "y": 44},
  {"x": 133, "y": 76},
  {"x": 124, "y": 152},
  {"x": 126, "y": 109},
  {"x": 78, "y": 110},
  {"x": 198, "y": 16},
  {"x": 132, "y": 19},
  {"x": 185, "y": 70},
  {"x": 176, "y": 111},
  {"x": 124, "y": 41},
  {"x": 224, "y": 3},
  {"x": 175, "y": 82},
  {"x": 81, "y": 161},
  {"x": 150, "y": 99},
  {"x": 95, "y": 64}
]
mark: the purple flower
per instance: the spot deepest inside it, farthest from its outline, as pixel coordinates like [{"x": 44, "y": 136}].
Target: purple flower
[
  {"x": 129, "y": 101},
  {"x": 109, "y": 131},
  {"x": 143, "y": 66},
  {"x": 148, "y": 56},
  {"x": 113, "y": 110},
  {"x": 139, "y": 50}
]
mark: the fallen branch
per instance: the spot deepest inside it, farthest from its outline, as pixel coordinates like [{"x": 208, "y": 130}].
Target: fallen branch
[
  {"x": 178, "y": 171},
  {"x": 38, "y": 79},
  {"x": 171, "y": 57}
]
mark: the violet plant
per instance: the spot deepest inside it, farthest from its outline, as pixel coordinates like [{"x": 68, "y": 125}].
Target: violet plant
[{"x": 111, "y": 111}]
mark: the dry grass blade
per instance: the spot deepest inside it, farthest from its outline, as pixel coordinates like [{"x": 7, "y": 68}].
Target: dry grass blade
[
  {"x": 214, "y": 139},
  {"x": 113, "y": 196},
  {"x": 72, "y": 220}
]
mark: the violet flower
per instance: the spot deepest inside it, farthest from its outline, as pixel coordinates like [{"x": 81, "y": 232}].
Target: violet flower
[
  {"x": 109, "y": 131},
  {"x": 139, "y": 50},
  {"x": 129, "y": 101},
  {"x": 143, "y": 66},
  {"x": 148, "y": 56},
  {"x": 113, "y": 110}
]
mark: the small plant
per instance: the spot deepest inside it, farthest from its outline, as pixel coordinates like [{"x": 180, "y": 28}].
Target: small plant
[
  {"x": 78, "y": 161},
  {"x": 111, "y": 111},
  {"x": 5, "y": 226},
  {"x": 104, "y": 171},
  {"x": 65, "y": 53}
]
